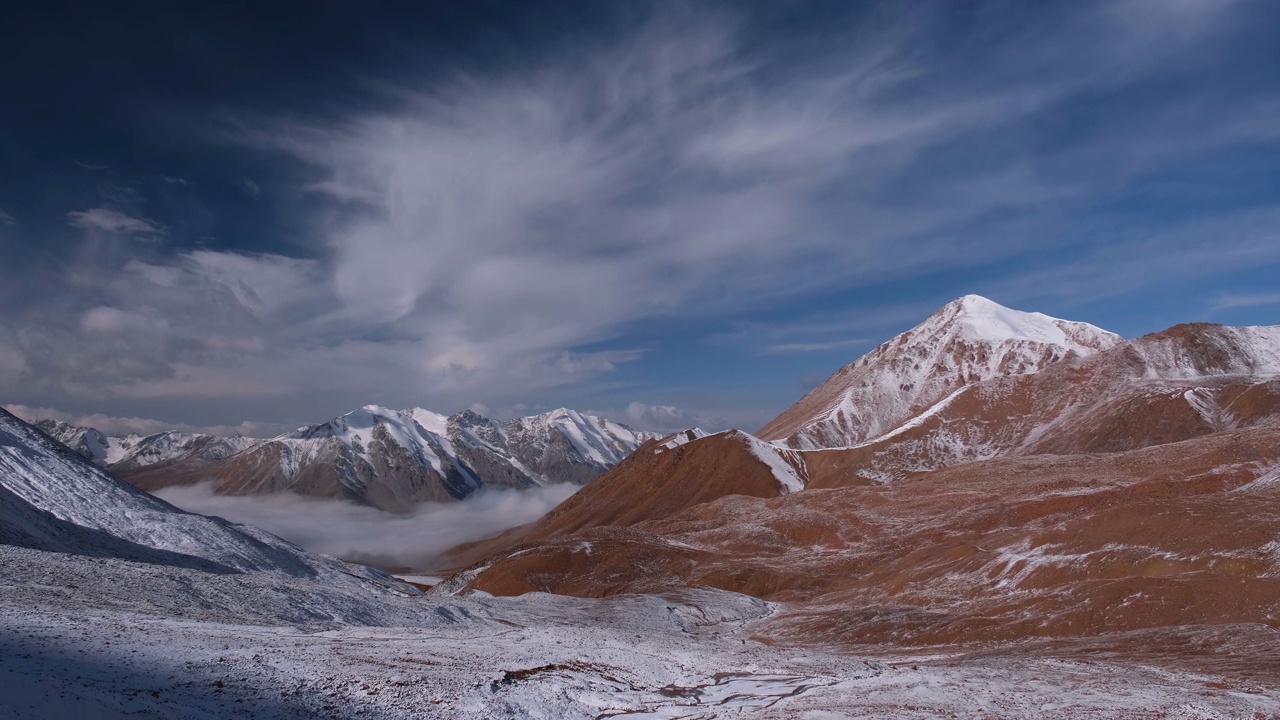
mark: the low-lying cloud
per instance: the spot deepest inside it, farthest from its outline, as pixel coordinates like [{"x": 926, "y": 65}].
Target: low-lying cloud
[{"x": 358, "y": 533}]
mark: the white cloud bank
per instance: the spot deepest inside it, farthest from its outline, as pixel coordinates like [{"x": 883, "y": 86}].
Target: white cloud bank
[{"x": 358, "y": 533}]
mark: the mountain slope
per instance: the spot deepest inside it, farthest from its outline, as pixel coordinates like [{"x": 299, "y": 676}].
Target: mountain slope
[
  {"x": 86, "y": 442},
  {"x": 967, "y": 341},
  {"x": 1009, "y": 549},
  {"x": 665, "y": 476}
]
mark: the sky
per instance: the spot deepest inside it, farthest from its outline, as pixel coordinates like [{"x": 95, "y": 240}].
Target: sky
[{"x": 246, "y": 217}]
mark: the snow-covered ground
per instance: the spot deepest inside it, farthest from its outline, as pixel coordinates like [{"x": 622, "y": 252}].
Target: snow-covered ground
[{"x": 104, "y": 638}]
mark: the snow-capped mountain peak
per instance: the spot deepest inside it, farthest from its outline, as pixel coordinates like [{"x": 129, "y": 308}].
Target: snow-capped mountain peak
[
  {"x": 968, "y": 340},
  {"x": 978, "y": 319},
  {"x": 133, "y": 451},
  {"x": 594, "y": 440},
  {"x": 432, "y": 422}
]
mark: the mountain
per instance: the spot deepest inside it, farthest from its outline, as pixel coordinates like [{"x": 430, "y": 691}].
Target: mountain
[
  {"x": 1193, "y": 410},
  {"x": 131, "y": 452},
  {"x": 86, "y": 442},
  {"x": 668, "y": 475},
  {"x": 129, "y": 607},
  {"x": 1185, "y": 382},
  {"x": 393, "y": 459},
  {"x": 969, "y": 340},
  {"x": 1021, "y": 548}
]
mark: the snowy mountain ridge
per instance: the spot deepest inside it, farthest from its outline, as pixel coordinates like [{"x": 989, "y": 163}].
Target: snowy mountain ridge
[{"x": 391, "y": 459}]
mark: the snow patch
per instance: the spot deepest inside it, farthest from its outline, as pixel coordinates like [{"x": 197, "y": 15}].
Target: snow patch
[
  {"x": 681, "y": 438},
  {"x": 788, "y": 479}
]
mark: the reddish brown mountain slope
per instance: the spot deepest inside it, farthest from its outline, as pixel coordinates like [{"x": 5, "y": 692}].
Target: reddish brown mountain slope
[
  {"x": 658, "y": 480},
  {"x": 1177, "y": 534}
]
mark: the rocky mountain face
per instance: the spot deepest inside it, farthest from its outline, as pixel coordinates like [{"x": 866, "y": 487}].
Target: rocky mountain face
[
  {"x": 1031, "y": 477},
  {"x": 391, "y": 459},
  {"x": 86, "y": 442}
]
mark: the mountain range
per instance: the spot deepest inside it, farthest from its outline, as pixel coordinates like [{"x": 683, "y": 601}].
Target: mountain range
[
  {"x": 390, "y": 459},
  {"x": 987, "y": 475}
]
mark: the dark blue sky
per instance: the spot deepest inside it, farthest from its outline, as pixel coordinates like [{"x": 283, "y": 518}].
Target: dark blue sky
[{"x": 270, "y": 213}]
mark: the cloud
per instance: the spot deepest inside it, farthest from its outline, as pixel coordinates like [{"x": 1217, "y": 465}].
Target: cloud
[
  {"x": 661, "y": 418},
  {"x": 787, "y": 348},
  {"x": 825, "y": 329},
  {"x": 13, "y": 363},
  {"x": 413, "y": 541},
  {"x": 113, "y": 425},
  {"x": 1242, "y": 300},
  {"x": 251, "y": 188},
  {"x": 201, "y": 324},
  {"x": 92, "y": 167},
  {"x": 111, "y": 221},
  {"x": 499, "y": 223},
  {"x": 7, "y": 219},
  {"x": 497, "y": 236},
  {"x": 173, "y": 180},
  {"x": 1131, "y": 258}
]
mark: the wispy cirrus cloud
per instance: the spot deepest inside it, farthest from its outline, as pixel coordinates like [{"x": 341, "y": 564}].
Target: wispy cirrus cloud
[
  {"x": 104, "y": 219},
  {"x": 1243, "y": 300},
  {"x": 786, "y": 348},
  {"x": 495, "y": 235}
]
